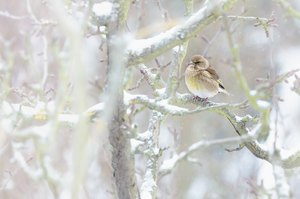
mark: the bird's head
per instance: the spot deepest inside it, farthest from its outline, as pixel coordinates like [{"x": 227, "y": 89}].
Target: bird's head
[{"x": 199, "y": 62}]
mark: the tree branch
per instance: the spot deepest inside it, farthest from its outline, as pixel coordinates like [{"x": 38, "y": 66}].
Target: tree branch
[
  {"x": 144, "y": 49},
  {"x": 291, "y": 160},
  {"x": 122, "y": 159},
  {"x": 169, "y": 164},
  {"x": 152, "y": 153}
]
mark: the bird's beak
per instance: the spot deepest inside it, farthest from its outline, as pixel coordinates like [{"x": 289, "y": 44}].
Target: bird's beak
[{"x": 190, "y": 63}]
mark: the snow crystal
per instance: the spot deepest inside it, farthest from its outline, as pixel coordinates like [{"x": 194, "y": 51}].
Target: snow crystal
[
  {"x": 145, "y": 136},
  {"x": 161, "y": 91},
  {"x": 177, "y": 48},
  {"x": 253, "y": 92},
  {"x": 68, "y": 118},
  {"x": 238, "y": 119},
  {"x": 103, "y": 9},
  {"x": 135, "y": 144},
  {"x": 148, "y": 185},
  {"x": 172, "y": 108},
  {"x": 263, "y": 104},
  {"x": 169, "y": 164},
  {"x": 287, "y": 153},
  {"x": 96, "y": 107}
]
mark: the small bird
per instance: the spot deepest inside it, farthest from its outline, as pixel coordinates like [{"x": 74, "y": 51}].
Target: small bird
[{"x": 201, "y": 79}]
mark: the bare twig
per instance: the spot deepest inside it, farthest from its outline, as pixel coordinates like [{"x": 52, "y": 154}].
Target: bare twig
[
  {"x": 209, "y": 42},
  {"x": 291, "y": 11},
  {"x": 254, "y": 100},
  {"x": 154, "y": 80},
  {"x": 268, "y": 84},
  {"x": 45, "y": 62},
  {"x": 138, "y": 83},
  {"x": 12, "y": 16},
  {"x": 178, "y": 54},
  {"x": 163, "y": 11},
  {"x": 266, "y": 23}
]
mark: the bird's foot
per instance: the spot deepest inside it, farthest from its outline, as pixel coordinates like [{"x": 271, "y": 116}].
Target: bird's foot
[
  {"x": 204, "y": 99},
  {"x": 197, "y": 98}
]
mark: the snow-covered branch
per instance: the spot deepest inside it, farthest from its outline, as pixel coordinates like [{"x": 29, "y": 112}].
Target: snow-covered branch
[
  {"x": 239, "y": 123},
  {"x": 169, "y": 164},
  {"x": 141, "y": 50},
  {"x": 152, "y": 153},
  {"x": 165, "y": 106}
]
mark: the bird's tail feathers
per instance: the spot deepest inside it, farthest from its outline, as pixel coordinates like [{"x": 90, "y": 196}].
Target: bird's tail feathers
[{"x": 224, "y": 91}]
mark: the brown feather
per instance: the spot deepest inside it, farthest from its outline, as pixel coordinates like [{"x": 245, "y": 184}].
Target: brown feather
[
  {"x": 213, "y": 73},
  {"x": 202, "y": 79},
  {"x": 221, "y": 85}
]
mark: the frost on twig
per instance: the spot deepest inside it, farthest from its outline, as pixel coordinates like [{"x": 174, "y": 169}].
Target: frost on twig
[{"x": 104, "y": 12}]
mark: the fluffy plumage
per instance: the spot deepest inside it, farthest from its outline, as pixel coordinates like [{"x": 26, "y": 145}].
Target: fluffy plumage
[{"x": 202, "y": 79}]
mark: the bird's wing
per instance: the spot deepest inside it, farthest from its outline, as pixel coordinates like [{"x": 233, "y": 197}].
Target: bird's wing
[
  {"x": 213, "y": 73},
  {"x": 221, "y": 84},
  {"x": 215, "y": 76}
]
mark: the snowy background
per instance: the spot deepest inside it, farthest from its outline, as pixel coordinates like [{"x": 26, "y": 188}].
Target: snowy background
[{"x": 53, "y": 61}]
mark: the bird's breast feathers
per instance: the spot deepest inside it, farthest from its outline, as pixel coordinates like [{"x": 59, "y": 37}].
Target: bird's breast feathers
[{"x": 201, "y": 86}]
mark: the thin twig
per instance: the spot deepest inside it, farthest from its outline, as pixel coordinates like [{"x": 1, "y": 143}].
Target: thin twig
[
  {"x": 12, "y": 16},
  {"x": 169, "y": 164}
]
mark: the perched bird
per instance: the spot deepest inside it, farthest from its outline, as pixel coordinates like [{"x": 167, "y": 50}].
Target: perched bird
[{"x": 201, "y": 79}]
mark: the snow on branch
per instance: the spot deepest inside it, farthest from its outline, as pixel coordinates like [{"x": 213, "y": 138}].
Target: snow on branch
[
  {"x": 149, "y": 186},
  {"x": 287, "y": 158},
  {"x": 143, "y": 49},
  {"x": 286, "y": 161},
  {"x": 166, "y": 108},
  {"x": 169, "y": 164}
]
